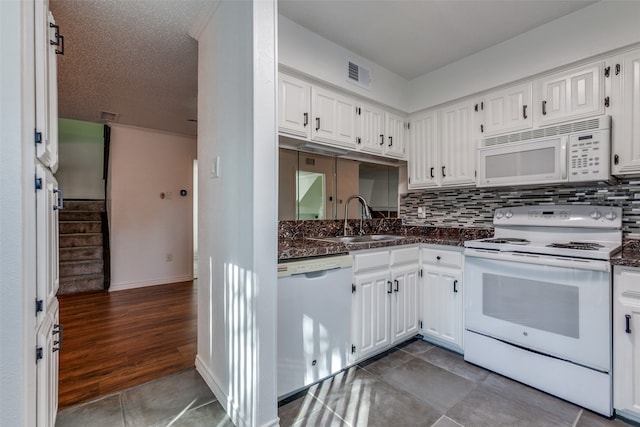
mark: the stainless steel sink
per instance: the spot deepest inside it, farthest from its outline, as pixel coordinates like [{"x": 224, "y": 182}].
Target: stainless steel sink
[{"x": 365, "y": 238}]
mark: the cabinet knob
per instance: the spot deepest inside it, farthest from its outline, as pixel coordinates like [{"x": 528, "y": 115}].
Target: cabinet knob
[{"x": 438, "y": 257}]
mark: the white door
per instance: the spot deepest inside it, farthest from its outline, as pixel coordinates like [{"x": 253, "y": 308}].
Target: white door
[
  {"x": 422, "y": 160},
  {"x": 333, "y": 118},
  {"x": 508, "y": 110},
  {"x": 370, "y": 129},
  {"x": 626, "y": 131},
  {"x": 458, "y": 142},
  {"x": 626, "y": 342},
  {"x": 294, "y": 106},
  {"x": 405, "y": 302},
  {"x": 570, "y": 95},
  {"x": 372, "y": 312},
  {"x": 394, "y": 144}
]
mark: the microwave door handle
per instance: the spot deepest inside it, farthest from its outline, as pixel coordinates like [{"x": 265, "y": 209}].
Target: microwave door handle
[{"x": 563, "y": 159}]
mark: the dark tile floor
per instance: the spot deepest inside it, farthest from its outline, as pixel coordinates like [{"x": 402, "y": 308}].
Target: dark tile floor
[{"x": 415, "y": 384}]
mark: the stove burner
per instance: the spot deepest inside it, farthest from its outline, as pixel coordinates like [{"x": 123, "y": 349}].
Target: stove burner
[
  {"x": 512, "y": 240},
  {"x": 584, "y": 246}
]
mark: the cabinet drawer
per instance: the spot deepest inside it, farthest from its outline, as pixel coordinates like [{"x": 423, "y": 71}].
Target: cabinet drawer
[
  {"x": 442, "y": 257},
  {"x": 405, "y": 256},
  {"x": 370, "y": 260}
]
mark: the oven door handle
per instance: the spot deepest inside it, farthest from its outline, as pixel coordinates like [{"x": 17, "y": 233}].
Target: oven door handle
[{"x": 550, "y": 260}]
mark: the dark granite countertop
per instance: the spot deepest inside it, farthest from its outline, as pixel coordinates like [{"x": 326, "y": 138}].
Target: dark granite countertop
[{"x": 629, "y": 256}]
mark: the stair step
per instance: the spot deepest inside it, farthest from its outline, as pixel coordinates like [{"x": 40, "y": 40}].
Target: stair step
[
  {"x": 80, "y": 253},
  {"x": 71, "y": 227},
  {"x": 65, "y": 215},
  {"x": 80, "y": 239},
  {"x": 79, "y": 268},
  {"x": 84, "y": 205},
  {"x": 81, "y": 284}
]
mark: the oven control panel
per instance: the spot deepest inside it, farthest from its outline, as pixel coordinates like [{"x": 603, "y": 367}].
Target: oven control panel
[{"x": 560, "y": 216}]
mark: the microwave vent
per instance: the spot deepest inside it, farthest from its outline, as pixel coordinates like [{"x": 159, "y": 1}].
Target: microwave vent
[{"x": 562, "y": 129}]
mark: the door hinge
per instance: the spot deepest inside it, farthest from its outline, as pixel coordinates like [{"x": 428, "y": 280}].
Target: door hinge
[
  {"x": 421, "y": 272},
  {"x": 475, "y": 107},
  {"x": 606, "y": 101},
  {"x": 39, "y": 353},
  {"x": 616, "y": 159},
  {"x": 38, "y": 183},
  {"x": 39, "y": 306},
  {"x": 353, "y": 349},
  {"x": 353, "y": 288},
  {"x": 409, "y": 180},
  {"x": 38, "y": 137},
  {"x": 481, "y": 128},
  {"x": 617, "y": 69},
  {"x": 607, "y": 71}
]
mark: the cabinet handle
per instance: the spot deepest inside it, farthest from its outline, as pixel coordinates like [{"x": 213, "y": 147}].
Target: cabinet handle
[
  {"x": 616, "y": 159},
  {"x": 390, "y": 289},
  {"x": 524, "y": 111},
  {"x": 359, "y": 140},
  {"x": 432, "y": 176},
  {"x": 617, "y": 69},
  {"x": 390, "y": 141},
  {"x": 544, "y": 108},
  {"x": 444, "y": 175},
  {"x": 455, "y": 286},
  {"x": 317, "y": 123},
  {"x": 381, "y": 139},
  {"x": 306, "y": 119},
  {"x": 397, "y": 285},
  {"x": 627, "y": 318},
  {"x": 60, "y": 200}
]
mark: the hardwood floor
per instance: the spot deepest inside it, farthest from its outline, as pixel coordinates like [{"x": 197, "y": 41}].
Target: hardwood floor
[{"x": 115, "y": 340}]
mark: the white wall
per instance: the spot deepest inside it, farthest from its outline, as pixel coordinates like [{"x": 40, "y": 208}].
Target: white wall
[
  {"x": 311, "y": 54},
  {"x": 238, "y": 210},
  {"x": 17, "y": 216},
  {"x": 596, "y": 29},
  {"x": 144, "y": 227},
  {"x": 81, "y": 149}
]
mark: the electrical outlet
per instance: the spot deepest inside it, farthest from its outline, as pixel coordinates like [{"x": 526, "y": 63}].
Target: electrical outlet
[
  {"x": 422, "y": 213},
  {"x": 169, "y": 257}
]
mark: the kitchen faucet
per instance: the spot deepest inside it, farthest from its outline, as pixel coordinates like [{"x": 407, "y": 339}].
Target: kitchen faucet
[{"x": 365, "y": 215}]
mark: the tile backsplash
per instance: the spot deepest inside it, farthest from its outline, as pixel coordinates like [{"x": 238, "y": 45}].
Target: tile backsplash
[{"x": 473, "y": 207}]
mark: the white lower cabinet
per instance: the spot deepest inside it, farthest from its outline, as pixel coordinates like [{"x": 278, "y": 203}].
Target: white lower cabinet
[
  {"x": 442, "y": 297},
  {"x": 49, "y": 338},
  {"x": 626, "y": 342},
  {"x": 385, "y": 299}
]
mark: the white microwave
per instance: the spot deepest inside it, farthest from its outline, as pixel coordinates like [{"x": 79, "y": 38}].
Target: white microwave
[{"x": 574, "y": 152}]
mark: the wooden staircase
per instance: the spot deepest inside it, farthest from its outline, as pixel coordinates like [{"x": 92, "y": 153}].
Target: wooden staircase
[{"x": 81, "y": 255}]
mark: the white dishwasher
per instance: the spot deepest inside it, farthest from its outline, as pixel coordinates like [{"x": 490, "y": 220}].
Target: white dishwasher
[{"x": 314, "y": 314}]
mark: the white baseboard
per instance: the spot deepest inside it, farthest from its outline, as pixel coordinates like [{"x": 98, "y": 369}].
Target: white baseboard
[{"x": 143, "y": 283}]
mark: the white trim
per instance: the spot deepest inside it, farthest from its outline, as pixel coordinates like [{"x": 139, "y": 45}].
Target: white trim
[{"x": 143, "y": 283}]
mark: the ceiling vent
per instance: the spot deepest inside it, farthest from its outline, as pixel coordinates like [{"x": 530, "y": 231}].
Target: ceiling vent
[
  {"x": 106, "y": 116},
  {"x": 359, "y": 75}
]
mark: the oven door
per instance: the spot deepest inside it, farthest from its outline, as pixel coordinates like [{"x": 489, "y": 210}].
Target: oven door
[{"x": 559, "y": 307}]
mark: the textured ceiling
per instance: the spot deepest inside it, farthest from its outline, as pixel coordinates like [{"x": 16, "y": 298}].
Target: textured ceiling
[
  {"x": 131, "y": 57},
  {"x": 136, "y": 58}
]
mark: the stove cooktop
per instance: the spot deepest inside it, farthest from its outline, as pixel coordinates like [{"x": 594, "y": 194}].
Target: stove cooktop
[{"x": 577, "y": 249}]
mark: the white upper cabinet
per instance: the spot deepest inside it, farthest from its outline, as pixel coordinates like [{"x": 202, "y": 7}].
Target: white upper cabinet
[
  {"x": 294, "y": 106},
  {"x": 458, "y": 140},
  {"x": 508, "y": 110},
  {"x": 394, "y": 144},
  {"x": 333, "y": 118},
  {"x": 422, "y": 159},
  {"x": 370, "y": 125},
  {"x": 625, "y": 156},
  {"x": 570, "y": 95},
  {"x": 49, "y": 42}
]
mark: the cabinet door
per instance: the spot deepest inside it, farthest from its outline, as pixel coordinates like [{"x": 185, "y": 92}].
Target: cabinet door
[
  {"x": 422, "y": 160},
  {"x": 394, "y": 143},
  {"x": 405, "y": 303},
  {"x": 48, "y": 202},
  {"x": 370, "y": 129},
  {"x": 570, "y": 95},
  {"x": 334, "y": 118},
  {"x": 626, "y": 131},
  {"x": 626, "y": 341},
  {"x": 459, "y": 134},
  {"x": 372, "y": 313},
  {"x": 46, "y": 86},
  {"x": 508, "y": 110},
  {"x": 442, "y": 305},
  {"x": 294, "y": 106},
  {"x": 48, "y": 337}
]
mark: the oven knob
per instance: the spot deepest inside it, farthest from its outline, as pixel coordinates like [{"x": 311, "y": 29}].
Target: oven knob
[
  {"x": 499, "y": 214},
  {"x": 596, "y": 215},
  {"x": 610, "y": 215},
  {"x": 509, "y": 214}
]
